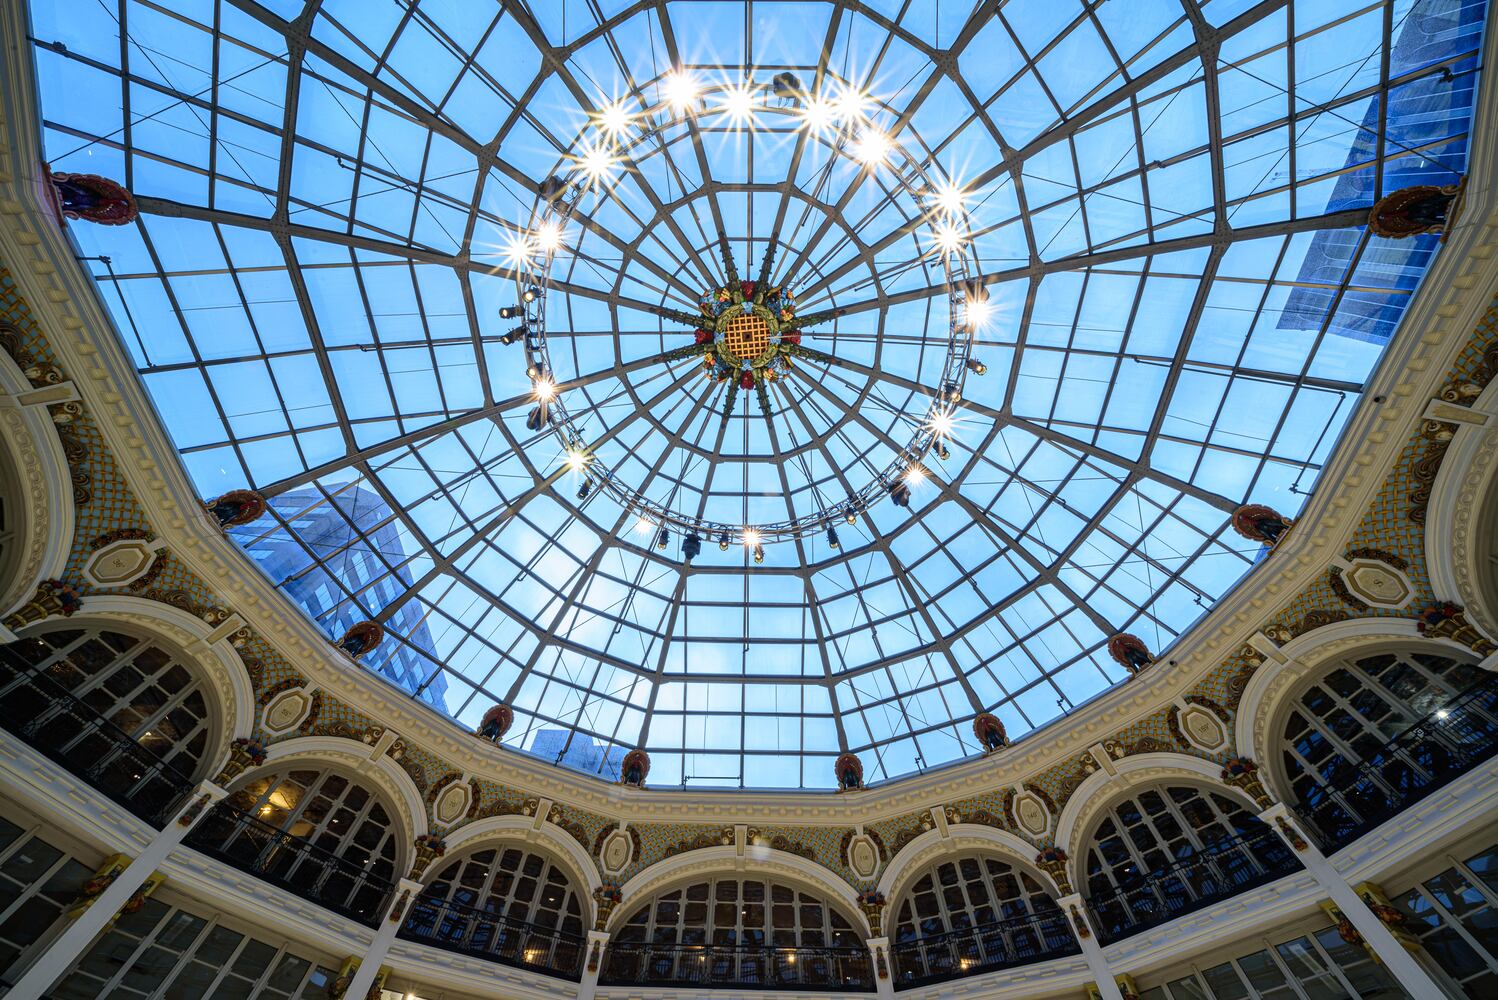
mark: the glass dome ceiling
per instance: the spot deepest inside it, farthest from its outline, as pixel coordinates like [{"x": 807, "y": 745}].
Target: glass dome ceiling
[{"x": 1165, "y": 200}]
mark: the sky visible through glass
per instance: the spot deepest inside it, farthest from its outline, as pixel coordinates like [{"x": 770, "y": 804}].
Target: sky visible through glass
[{"x": 1165, "y": 200}]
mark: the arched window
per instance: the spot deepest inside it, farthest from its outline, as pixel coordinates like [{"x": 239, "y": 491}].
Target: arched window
[
  {"x": 1168, "y": 850},
  {"x": 311, "y": 830},
  {"x": 1373, "y": 733},
  {"x": 122, "y": 711},
  {"x": 506, "y": 904},
  {"x": 972, "y": 914},
  {"x": 738, "y": 930}
]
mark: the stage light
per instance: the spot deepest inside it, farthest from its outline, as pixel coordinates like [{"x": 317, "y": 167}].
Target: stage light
[
  {"x": 584, "y": 489},
  {"x": 941, "y": 423},
  {"x": 511, "y": 312},
  {"x": 759, "y": 553},
  {"x": 663, "y": 539},
  {"x": 949, "y": 198},
  {"x": 871, "y": 147},
  {"x": 832, "y": 540},
  {"x": 820, "y": 114},
  {"x": 738, "y": 103},
  {"x": 915, "y": 475},
  {"x": 614, "y": 118},
  {"x": 751, "y": 537},
  {"x": 681, "y": 90},
  {"x": 513, "y": 335},
  {"x": 691, "y": 546},
  {"x": 548, "y": 236},
  {"x": 643, "y": 526},
  {"x": 530, "y": 295},
  {"x": 948, "y": 239},
  {"x": 976, "y": 367},
  {"x": 723, "y": 541},
  {"x": 545, "y": 389},
  {"x": 577, "y": 459}
]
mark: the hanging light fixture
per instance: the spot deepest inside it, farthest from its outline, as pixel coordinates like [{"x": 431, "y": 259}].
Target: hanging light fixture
[
  {"x": 691, "y": 546},
  {"x": 723, "y": 541}
]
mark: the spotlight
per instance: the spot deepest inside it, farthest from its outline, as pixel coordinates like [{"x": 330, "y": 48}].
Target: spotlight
[
  {"x": 723, "y": 541},
  {"x": 643, "y": 526},
  {"x": 535, "y": 419},
  {"x": 751, "y": 538},
  {"x": 819, "y": 114},
  {"x": 691, "y": 546},
  {"x": 584, "y": 489},
  {"x": 614, "y": 118},
  {"x": 949, "y": 198},
  {"x": 948, "y": 239},
  {"x": 851, "y": 104},
  {"x": 546, "y": 390},
  {"x": 680, "y": 90},
  {"x": 553, "y": 188},
  {"x": 759, "y": 553},
  {"x": 915, "y": 475},
  {"x": 852, "y": 516},
  {"x": 832, "y": 541},
  {"x": 577, "y": 460},
  {"x": 738, "y": 102},
  {"x": 900, "y": 494},
  {"x": 663, "y": 539},
  {"x": 941, "y": 451},
  {"x": 511, "y": 312},
  {"x": 976, "y": 367},
  {"x": 941, "y": 423},
  {"x": 549, "y": 236},
  {"x": 871, "y": 148},
  {"x": 530, "y": 295},
  {"x": 513, "y": 335}
]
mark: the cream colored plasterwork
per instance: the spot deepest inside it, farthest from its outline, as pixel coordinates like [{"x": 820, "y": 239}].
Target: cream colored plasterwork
[
  {"x": 1461, "y": 494},
  {"x": 1439, "y": 320},
  {"x": 41, "y": 497}
]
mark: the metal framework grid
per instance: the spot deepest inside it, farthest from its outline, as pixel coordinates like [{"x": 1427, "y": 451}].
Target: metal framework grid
[{"x": 1167, "y": 208}]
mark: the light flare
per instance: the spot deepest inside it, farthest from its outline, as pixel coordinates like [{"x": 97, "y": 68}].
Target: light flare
[
  {"x": 871, "y": 148},
  {"x": 545, "y": 389},
  {"x": 681, "y": 90},
  {"x": 615, "y": 118},
  {"x": 738, "y": 103}
]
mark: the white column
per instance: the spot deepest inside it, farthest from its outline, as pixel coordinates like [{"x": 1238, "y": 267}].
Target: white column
[
  {"x": 72, "y": 942},
  {"x": 884, "y": 971},
  {"x": 1076, "y": 911},
  {"x": 1395, "y": 956},
  {"x": 369, "y": 966},
  {"x": 598, "y": 942}
]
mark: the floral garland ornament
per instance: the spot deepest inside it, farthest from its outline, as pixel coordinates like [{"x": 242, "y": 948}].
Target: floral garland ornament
[
  {"x": 1052, "y": 860},
  {"x": 92, "y": 198},
  {"x": 990, "y": 732},
  {"x": 244, "y": 753},
  {"x": 1130, "y": 652},
  {"x": 1243, "y": 774},
  {"x": 429, "y": 847},
  {"x": 495, "y": 723},
  {"x": 1417, "y": 210},
  {"x": 1259, "y": 523},
  {"x": 361, "y": 637},
  {"x": 635, "y": 767},
  {"x": 235, "y": 508},
  {"x": 849, "y": 771}
]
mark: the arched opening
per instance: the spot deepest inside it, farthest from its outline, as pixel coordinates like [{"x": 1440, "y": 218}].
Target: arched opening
[
  {"x": 123, "y": 711},
  {"x": 971, "y": 914},
  {"x": 738, "y": 930},
  {"x": 1173, "y": 848},
  {"x": 1375, "y": 732},
  {"x": 312, "y": 830},
  {"x": 505, "y": 903}
]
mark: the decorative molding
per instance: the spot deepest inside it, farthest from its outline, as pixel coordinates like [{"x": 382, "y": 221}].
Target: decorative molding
[{"x": 42, "y": 494}]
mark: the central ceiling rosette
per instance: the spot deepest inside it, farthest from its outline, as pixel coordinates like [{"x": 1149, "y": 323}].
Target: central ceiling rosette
[{"x": 754, "y": 337}]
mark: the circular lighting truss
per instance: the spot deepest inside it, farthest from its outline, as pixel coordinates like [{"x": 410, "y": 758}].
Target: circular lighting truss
[{"x": 747, "y": 331}]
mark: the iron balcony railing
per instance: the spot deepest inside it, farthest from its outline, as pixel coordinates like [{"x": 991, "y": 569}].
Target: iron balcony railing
[
  {"x": 1354, "y": 797},
  {"x": 293, "y": 863},
  {"x": 766, "y": 967},
  {"x": 459, "y": 928},
  {"x": 1035, "y": 937},
  {"x": 1228, "y": 868},
  {"x": 65, "y": 729}
]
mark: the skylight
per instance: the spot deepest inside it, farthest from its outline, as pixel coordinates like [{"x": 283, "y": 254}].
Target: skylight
[{"x": 1163, "y": 203}]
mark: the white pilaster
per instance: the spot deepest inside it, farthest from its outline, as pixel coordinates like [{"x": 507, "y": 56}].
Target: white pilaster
[
  {"x": 884, "y": 971},
  {"x": 73, "y": 941},
  {"x": 369, "y": 966},
  {"x": 1076, "y": 912},
  {"x": 598, "y": 942},
  {"x": 1395, "y": 956}
]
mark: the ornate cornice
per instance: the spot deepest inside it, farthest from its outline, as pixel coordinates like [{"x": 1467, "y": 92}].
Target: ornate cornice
[{"x": 1439, "y": 321}]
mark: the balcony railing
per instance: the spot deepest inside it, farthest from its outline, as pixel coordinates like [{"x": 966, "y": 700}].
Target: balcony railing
[
  {"x": 749, "y": 966},
  {"x": 1204, "y": 878},
  {"x": 58, "y": 725},
  {"x": 1356, "y": 797},
  {"x": 473, "y": 932},
  {"x": 1037, "y": 937},
  {"x": 296, "y": 865}
]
